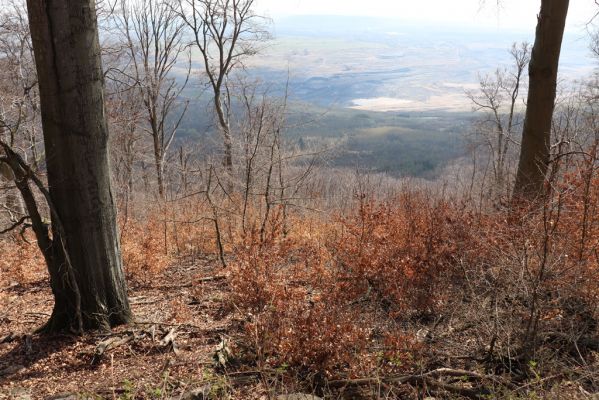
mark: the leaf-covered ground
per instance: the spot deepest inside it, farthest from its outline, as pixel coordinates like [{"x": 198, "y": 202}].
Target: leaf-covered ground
[
  {"x": 179, "y": 301},
  {"x": 188, "y": 300}
]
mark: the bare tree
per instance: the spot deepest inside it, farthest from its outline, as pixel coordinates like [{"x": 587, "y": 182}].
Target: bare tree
[
  {"x": 19, "y": 100},
  {"x": 261, "y": 124},
  {"x": 499, "y": 98},
  {"x": 543, "y": 70},
  {"x": 18, "y": 78},
  {"x": 154, "y": 40},
  {"x": 125, "y": 112},
  {"x": 225, "y": 32}
]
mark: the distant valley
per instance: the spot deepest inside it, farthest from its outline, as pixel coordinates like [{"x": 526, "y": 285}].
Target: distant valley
[{"x": 391, "y": 93}]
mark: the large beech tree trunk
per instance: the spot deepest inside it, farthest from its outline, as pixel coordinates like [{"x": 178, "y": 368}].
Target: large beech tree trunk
[
  {"x": 84, "y": 260},
  {"x": 543, "y": 68}
]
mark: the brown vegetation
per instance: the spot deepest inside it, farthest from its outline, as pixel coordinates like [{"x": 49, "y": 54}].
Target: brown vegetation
[{"x": 386, "y": 299}]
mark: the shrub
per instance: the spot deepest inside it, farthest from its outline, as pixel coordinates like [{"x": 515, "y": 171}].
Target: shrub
[
  {"x": 323, "y": 306},
  {"x": 143, "y": 248},
  {"x": 21, "y": 260}
]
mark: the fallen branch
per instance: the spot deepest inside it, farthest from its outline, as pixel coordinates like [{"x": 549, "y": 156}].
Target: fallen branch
[
  {"x": 431, "y": 379},
  {"x": 189, "y": 285},
  {"x": 169, "y": 325},
  {"x": 109, "y": 344},
  {"x": 212, "y": 278},
  {"x": 470, "y": 374},
  {"x": 11, "y": 337},
  {"x": 169, "y": 340},
  {"x": 137, "y": 302},
  {"x": 172, "y": 287},
  {"x": 9, "y": 287}
]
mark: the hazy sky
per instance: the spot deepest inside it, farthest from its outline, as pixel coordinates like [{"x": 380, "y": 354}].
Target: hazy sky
[{"x": 511, "y": 14}]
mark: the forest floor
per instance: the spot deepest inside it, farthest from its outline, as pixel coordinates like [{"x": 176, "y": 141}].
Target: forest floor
[
  {"x": 184, "y": 323},
  {"x": 186, "y": 300}
]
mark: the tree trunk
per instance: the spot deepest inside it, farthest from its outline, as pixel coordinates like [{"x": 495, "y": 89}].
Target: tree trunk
[
  {"x": 226, "y": 132},
  {"x": 543, "y": 68},
  {"x": 86, "y": 272},
  {"x": 158, "y": 163}
]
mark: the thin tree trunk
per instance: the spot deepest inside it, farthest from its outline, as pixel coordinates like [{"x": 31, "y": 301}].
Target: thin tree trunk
[
  {"x": 226, "y": 132},
  {"x": 159, "y": 164},
  {"x": 543, "y": 68},
  {"x": 67, "y": 53}
]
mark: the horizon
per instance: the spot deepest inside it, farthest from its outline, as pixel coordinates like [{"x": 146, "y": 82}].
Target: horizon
[{"x": 509, "y": 15}]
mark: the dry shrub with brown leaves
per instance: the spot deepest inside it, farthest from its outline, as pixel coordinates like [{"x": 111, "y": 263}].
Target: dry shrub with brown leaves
[
  {"x": 510, "y": 285},
  {"x": 325, "y": 302},
  {"x": 295, "y": 315},
  {"x": 402, "y": 250},
  {"x": 530, "y": 291},
  {"x": 20, "y": 261},
  {"x": 143, "y": 248},
  {"x": 153, "y": 239}
]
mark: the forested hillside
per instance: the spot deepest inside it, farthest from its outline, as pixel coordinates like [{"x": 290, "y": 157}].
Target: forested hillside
[{"x": 179, "y": 220}]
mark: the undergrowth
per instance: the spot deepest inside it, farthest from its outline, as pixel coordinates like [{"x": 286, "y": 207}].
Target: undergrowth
[{"x": 397, "y": 286}]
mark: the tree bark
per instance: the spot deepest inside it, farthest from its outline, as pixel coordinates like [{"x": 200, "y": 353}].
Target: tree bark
[
  {"x": 226, "y": 131},
  {"x": 84, "y": 231},
  {"x": 543, "y": 68}
]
